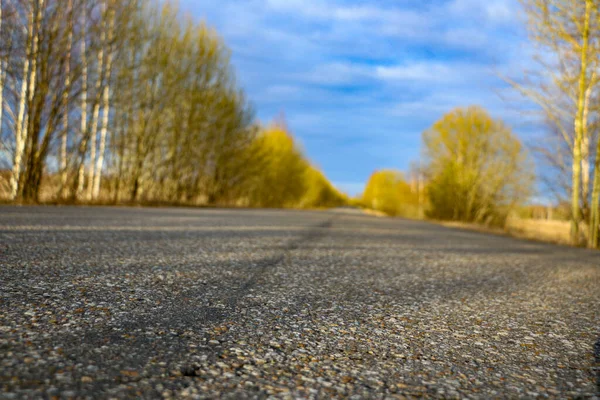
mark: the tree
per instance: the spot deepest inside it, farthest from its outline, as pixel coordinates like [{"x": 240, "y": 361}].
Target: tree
[
  {"x": 65, "y": 97},
  {"x": 387, "y": 191},
  {"x": 476, "y": 169},
  {"x": 107, "y": 74},
  {"x": 568, "y": 34},
  {"x": 281, "y": 182},
  {"x": 26, "y": 81}
]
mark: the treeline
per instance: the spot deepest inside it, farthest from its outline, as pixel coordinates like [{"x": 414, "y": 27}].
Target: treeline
[
  {"x": 474, "y": 170},
  {"x": 125, "y": 100}
]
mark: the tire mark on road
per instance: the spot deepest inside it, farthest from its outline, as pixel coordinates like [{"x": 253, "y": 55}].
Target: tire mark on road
[
  {"x": 181, "y": 316},
  {"x": 266, "y": 264}
]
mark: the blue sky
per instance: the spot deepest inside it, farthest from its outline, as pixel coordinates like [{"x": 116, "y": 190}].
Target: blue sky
[{"x": 359, "y": 81}]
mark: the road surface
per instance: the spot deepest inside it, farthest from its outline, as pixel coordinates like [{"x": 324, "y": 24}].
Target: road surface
[{"x": 190, "y": 303}]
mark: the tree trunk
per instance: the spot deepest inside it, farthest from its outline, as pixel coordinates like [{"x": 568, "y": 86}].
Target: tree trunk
[
  {"x": 585, "y": 150},
  {"x": 105, "y": 108},
  {"x": 96, "y": 111},
  {"x": 65, "y": 99},
  {"x": 579, "y": 129},
  {"x": 19, "y": 132},
  {"x": 80, "y": 177}
]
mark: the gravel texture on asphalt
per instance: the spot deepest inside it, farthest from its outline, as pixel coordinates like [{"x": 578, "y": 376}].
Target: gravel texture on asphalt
[{"x": 190, "y": 303}]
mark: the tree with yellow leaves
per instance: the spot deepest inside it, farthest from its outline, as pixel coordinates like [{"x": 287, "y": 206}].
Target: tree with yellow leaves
[
  {"x": 387, "y": 191},
  {"x": 477, "y": 169},
  {"x": 281, "y": 181}
]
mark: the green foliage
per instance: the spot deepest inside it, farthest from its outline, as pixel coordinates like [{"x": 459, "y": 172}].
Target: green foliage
[
  {"x": 477, "y": 169},
  {"x": 388, "y": 192}
]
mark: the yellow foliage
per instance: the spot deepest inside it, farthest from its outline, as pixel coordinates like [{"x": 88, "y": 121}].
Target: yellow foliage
[
  {"x": 320, "y": 193},
  {"x": 387, "y": 191},
  {"x": 477, "y": 169},
  {"x": 280, "y": 182},
  {"x": 286, "y": 178}
]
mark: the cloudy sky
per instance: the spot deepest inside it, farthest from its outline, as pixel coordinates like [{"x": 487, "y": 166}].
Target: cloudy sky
[{"x": 358, "y": 81}]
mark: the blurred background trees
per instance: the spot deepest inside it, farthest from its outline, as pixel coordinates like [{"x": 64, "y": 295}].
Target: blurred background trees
[
  {"x": 125, "y": 100},
  {"x": 285, "y": 178},
  {"x": 387, "y": 191},
  {"x": 476, "y": 169},
  {"x": 280, "y": 182}
]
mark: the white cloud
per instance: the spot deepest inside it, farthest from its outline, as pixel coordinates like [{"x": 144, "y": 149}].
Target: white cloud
[
  {"x": 467, "y": 38},
  {"x": 416, "y": 71},
  {"x": 494, "y": 11},
  {"x": 335, "y": 73},
  {"x": 434, "y": 72},
  {"x": 328, "y": 10}
]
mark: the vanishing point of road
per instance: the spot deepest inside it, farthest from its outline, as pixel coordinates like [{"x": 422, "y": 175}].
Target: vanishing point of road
[{"x": 209, "y": 303}]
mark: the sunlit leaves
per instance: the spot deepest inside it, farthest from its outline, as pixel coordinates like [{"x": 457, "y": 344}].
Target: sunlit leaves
[
  {"x": 388, "y": 192},
  {"x": 477, "y": 169}
]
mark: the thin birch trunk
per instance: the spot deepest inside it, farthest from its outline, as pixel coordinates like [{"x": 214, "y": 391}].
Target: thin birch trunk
[
  {"x": 19, "y": 140},
  {"x": 105, "y": 107},
  {"x": 96, "y": 111},
  {"x": 579, "y": 129},
  {"x": 27, "y": 89},
  {"x": 28, "y": 123},
  {"x": 32, "y": 77},
  {"x": 65, "y": 99},
  {"x": 84, "y": 109},
  {"x": 585, "y": 146}
]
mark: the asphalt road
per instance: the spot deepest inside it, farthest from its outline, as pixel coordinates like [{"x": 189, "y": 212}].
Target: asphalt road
[{"x": 176, "y": 303}]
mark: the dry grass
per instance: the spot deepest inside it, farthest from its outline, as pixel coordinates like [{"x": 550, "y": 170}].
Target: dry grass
[
  {"x": 544, "y": 230},
  {"x": 375, "y": 213},
  {"x": 532, "y": 229}
]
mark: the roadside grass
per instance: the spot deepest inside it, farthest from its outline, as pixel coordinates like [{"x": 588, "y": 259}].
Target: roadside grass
[
  {"x": 544, "y": 230},
  {"x": 549, "y": 231}
]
